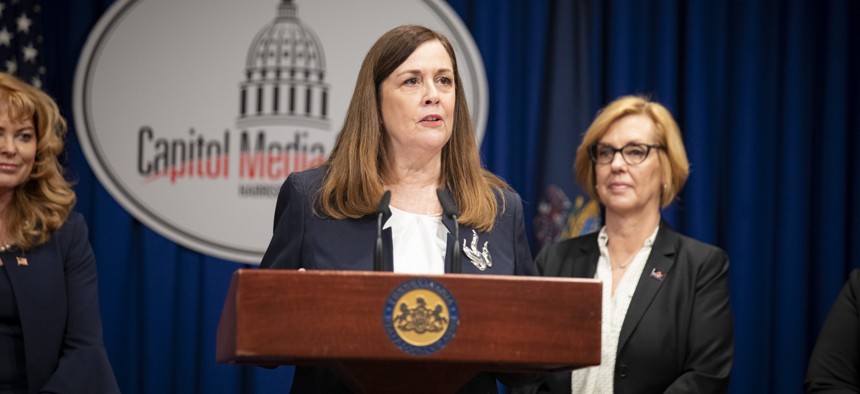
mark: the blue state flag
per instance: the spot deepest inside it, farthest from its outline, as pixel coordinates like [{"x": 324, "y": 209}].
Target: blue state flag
[{"x": 564, "y": 210}]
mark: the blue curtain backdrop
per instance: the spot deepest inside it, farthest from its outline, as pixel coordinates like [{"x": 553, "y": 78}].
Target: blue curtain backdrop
[{"x": 764, "y": 91}]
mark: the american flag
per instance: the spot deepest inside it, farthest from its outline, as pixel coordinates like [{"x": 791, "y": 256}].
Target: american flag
[
  {"x": 21, "y": 40},
  {"x": 659, "y": 275}
]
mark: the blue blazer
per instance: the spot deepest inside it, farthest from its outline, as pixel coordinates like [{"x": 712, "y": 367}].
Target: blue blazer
[
  {"x": 57, "y": 297},
  {"x": 677, "y": 335},
  {"x": 303, "y": 239}
]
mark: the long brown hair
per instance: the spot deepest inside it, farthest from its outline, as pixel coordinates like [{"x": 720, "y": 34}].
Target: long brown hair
[
  {"x": 42, "y": 203},
  {"x": 358, "y": 166}
]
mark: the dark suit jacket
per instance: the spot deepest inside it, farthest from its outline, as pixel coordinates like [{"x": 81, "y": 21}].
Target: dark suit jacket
[
  {"x": 303, "y": 239},
  {"x": 834, "y": 366},
  {"x": 677, "y": 335},
  {"x": 57, "y": 297}
]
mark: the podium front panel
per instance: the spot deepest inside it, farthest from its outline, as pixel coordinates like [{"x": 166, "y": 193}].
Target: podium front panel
[{"x": 503, "y": 323}]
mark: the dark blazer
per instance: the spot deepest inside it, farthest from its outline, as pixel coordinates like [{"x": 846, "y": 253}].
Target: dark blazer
[
  {"x": 303, "y": 239},
  {"x": 57, "y": 297},
  {"x": 834, "y": 366},
  {"x": 677, "y": 335}
]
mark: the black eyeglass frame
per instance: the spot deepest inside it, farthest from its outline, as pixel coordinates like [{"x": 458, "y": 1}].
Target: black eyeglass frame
[{"x": 592, "y": 152}]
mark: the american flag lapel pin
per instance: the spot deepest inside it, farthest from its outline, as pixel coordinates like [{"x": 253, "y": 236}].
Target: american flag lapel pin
[
  {"x": 22, "y": 261},
  {"x": 659, "y": 275}
]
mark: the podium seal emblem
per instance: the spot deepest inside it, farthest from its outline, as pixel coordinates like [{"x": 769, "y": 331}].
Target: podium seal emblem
[{"x": 420, "y": 316}]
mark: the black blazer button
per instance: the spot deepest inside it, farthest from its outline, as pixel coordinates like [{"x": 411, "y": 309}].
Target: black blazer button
[{"x": 621, "y": 370}]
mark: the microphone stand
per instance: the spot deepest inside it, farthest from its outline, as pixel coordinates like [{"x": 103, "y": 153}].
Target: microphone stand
[
  {"x": 381, "y": 210},
  {"x": 450, "y": 210}
]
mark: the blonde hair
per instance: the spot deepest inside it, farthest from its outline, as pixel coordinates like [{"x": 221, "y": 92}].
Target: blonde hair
[
  {"x": 42, "y": 203},
  {"x": 359, "y": 166},
  {"x": 673, "y": 158}
]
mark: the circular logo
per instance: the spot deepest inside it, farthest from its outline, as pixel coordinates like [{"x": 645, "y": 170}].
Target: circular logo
[
  {"x": 420, "y": 316},
  {"x": 194, "y": 125}
]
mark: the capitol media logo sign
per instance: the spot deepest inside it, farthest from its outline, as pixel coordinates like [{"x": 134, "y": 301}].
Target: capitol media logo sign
[{"x": 192, "y": 113}]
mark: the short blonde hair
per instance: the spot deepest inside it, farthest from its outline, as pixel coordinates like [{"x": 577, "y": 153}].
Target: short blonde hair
[
  {"x": 43, "y": 202},
  {"x": 673, "y": 158}
]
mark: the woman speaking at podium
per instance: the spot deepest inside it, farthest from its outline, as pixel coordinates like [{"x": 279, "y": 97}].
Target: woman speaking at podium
[
  {"x": 667, "y": 323},
  {"x": 407, "y": 132}
]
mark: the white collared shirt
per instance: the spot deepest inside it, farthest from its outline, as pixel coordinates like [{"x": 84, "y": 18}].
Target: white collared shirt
[
  {"x": 419, "y": 242},
  {"x": 600, "y": 378}
]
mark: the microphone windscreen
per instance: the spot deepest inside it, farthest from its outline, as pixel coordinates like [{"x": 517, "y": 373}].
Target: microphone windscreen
[
  {"x": 448, "y": 207},
  {"x": 384, "y": 202}
]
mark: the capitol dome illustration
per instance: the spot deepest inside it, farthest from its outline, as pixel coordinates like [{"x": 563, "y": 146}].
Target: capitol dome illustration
[{"x": 284, "y": 76}]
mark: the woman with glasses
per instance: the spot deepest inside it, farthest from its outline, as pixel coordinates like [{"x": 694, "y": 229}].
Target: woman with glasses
[{"x": 666, "y": 323}]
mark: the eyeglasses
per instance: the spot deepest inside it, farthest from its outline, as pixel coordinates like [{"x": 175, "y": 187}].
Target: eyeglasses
[{"x": 632, "y": 154}]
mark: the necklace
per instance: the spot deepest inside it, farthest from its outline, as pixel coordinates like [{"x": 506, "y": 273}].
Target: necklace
[
  {"x": 621, "y": 266},
  {"x": 6, "y": 247}
]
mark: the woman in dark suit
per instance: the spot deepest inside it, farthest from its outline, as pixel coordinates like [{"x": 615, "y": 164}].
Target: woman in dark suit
[
  {"x": 667, "y": 323},
  {"x": 50, "y": 327},
  {"x": 834, "y": 366},
  {"x": 407, "y": 131}
]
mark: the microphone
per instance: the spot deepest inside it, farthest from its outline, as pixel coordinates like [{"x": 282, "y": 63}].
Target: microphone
[
  {"x": 450, "y": 210},
  {"x": 381, "y": 210}
]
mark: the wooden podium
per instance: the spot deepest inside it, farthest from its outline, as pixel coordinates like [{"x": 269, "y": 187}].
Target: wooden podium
[{"x": 342, "y": 320}]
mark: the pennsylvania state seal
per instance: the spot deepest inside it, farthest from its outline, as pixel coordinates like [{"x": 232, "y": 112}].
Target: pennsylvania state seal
[{"x": 420, "y": 316}]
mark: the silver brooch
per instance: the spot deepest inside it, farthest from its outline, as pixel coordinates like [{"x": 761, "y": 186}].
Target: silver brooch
[{"x": 480, "y": 258}]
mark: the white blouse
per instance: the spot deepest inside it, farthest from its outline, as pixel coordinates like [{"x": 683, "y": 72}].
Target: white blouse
[
  {"x": 600, "y": 379},
  {"x": 419, "y": 242}
]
